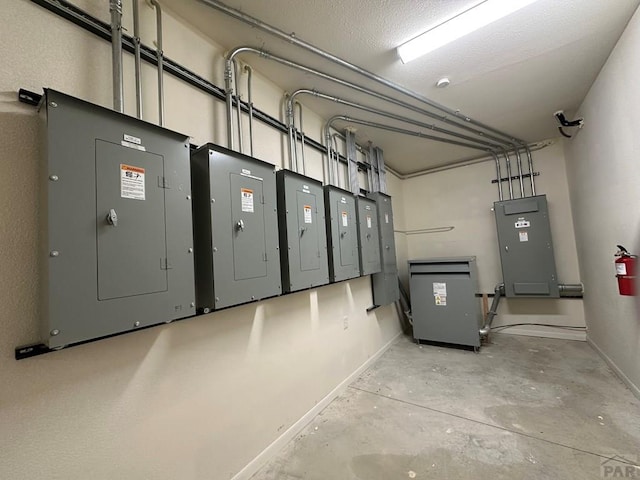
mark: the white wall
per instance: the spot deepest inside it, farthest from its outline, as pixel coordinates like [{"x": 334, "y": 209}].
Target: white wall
[
  {"x": 604, "y": 179},
  {"x": 463, "y": 198},
  {"x": 195, "y": 399}
]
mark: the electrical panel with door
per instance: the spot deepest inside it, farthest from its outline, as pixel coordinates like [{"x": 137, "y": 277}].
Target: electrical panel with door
[
  {"x": 116, "y": 235},
  {"x": 385, "y": 283},
  {"x": 368, "y": 236},
  {"x": 303, "y": 238},
  {"x": 526, "y": 250},
  {"x": 235, "y": 228},
  {"x": 342, "y": 234}
]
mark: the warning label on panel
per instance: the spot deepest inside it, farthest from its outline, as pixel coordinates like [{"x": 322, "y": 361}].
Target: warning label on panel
[
  {"x": 440, "y": 289},
  {"x": 307, "y": 214},
  {"x": 440, "y": 300},
  {"x": 368, "y": 221},
  {"x": 524, "y": 236},
  {"x": 132, "y": 182},
  {"x": 522, "y": 223},
  {"x": 247, "y": 200},
  {"x": 345, "y": 219}
]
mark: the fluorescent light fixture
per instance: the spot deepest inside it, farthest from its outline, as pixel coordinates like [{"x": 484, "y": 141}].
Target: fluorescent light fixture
[{"x": 466, "y": 22}]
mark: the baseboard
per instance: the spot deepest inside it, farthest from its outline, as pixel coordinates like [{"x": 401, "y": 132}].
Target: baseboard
[
  {"x": 626, "y": 380},
  {"x": 272, "y": 450},
  {"x": 546, "y": 333}
]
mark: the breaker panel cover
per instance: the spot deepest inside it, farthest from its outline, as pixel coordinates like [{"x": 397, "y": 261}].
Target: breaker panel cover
[
  {"x": 303, "y": 239},
  {"x": 342, "y": 233},
  {"x": 116, "y": 237},
  {"x": 235, "y": 228},
  {"x": 526, "y": 250},
  {"x": 368, "y": 236},
  {"x": 385, "y": 283}
]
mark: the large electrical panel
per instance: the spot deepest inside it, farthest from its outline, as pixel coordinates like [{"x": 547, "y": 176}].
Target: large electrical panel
[
  {"x": 235, "y": 228},
  {"x": 342, "y": 234},
  {"x": 116, "y": 233},
  {"x": 303, "y": 238},
  {"x": 385, "y": 284},
  {"x": 526, "y": 250},
  {"x": 368, "y": 236}
]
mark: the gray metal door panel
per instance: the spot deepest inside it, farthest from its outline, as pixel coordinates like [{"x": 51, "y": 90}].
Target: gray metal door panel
[
  {"x": 247, "y": 219},
  {"x": 368, "y": 237},
  {"x": 346, "y": 241},
  {"x": 308, "y": 231},
  {"x": 132, "y": 250}
]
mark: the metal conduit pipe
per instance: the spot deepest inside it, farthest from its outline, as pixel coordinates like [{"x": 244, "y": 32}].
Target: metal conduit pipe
[
  {"x": 531, "y": 177},
  {"x": 516, "y": 150},
  {"x": 301, "y": 137},
  {"x": 291, "y": 38},
  {"x": 136, "y": 57},
  {"x": 115, "y": 7},
  {"x": 283, "y": 61},
  {"x": 160, "y": 55},
  {"x": 571, "y": 289},
  {"x": 498, "y": 175},
  {"x": 336, "y": 158},
  {"x": 290, "y": 127},
  {"x": 387, "y": 114},
  {"x": 238, "y": 108},
  {"x": 327, "y": 142},
  {"x": 508, "y": 163},
  {"x": 249, "y": 71},
  {"x": 493, "y": 311}
]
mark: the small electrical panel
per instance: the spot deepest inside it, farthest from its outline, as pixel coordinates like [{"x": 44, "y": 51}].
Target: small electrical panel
[
  {"x": 385, "y": 284},
  {"x": 116, "y": 240},
  {"x": 342, "y": 234},
  {"x": 303, "y": 239},
  {"x": 526, "y": 250},
  {"x": 368, "y": 236},
  {"x": 235, "y": 228}
]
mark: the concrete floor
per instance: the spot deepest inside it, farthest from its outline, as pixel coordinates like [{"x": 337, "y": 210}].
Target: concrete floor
[{"x": 524, "y": 408}]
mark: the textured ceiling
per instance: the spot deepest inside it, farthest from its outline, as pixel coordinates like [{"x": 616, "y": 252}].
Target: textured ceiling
[{"x": 512, "y": 74}]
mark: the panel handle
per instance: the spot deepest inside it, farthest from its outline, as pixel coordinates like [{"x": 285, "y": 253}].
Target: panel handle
[
  {"x": 240, "y": 225},
  {"x": 112, "y": 218}
]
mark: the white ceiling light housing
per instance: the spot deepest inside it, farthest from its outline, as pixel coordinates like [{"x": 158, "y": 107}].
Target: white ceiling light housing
[
  {"x": 468, "y": 21},
  {"x": 443, "y": 82}
]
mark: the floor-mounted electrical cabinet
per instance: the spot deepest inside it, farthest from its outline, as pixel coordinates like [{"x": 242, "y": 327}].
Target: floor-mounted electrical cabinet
[
  {"x": 235, "y": 228},
  {"x": 303, "y": 238},
  {"x": 368, "y": 236},
  {"x": 526, "y": 250},
  {"x": 116, "y": 236},
  {"x": 385, "y": 283},
  {"x": 342, "y": 234}
]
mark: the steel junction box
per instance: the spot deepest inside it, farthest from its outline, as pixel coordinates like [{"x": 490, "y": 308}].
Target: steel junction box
[
  {"x": 342, "y": 234},
  {"x": 303, "y": 237},
  {"x": 385, "y": 283},
  {"x": 235, "y": 228},
  {"x": 368, "y": 236},
  {"x": 116, "y": 239}
]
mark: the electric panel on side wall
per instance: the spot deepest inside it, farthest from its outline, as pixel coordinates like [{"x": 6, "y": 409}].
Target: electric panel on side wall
[
  {"x": 368, "y": 236},
  {"x": 385, "y": 283},
  {"x": 303, "y": 237},
  {"x": 235, "y": 228},
  {"x": 116, "y": 234},
  {"x": 342, "y": 234},
  {"x": 526, "y": 250}
]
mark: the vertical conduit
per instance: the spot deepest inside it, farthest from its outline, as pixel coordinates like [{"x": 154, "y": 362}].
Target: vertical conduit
[
  {"x": 136, "y": 56},
  {"x": 531, "y": 177},
  {"x": 249, "y": 71},
  {"x": 301, "y": 138},
  {"x": 508, "y": 163},
  {"x": 238, "y": 107},
  {"x": 160, "y": 55},
  {"x": 498, "y": 175},
  {"x": 115, "y": 6},
  {"x": 519, "y": 163}
]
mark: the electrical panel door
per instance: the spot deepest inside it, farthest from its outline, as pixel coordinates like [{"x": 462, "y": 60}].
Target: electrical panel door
[
  {"x": 368, "y": 236},
  {"x": 303, "y": 240},
  {"x": 235, "y": 228},
  {"x": 116, "y": 238},
  {"x": 385, "y": 284},
  {"x": 526, "y": 250},
  {"x": 342, "y": 234}
]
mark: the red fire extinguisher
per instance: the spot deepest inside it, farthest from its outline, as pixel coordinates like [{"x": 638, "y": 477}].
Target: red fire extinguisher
[{"x": 626, "y": 271}]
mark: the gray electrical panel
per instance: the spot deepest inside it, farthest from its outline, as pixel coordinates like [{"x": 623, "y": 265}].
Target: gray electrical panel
[
  {"x": 368, "y": 236},
  {"x": 235, "y": 228},
  {"x": 526, "y": 250},
  {"x": 385, "y": 283},
  {"x": 342, "y": 234},
  {"x": 303, "y": 237},
  {"x": 116, "y": 235},
  {"x": 443, "y": 302}
]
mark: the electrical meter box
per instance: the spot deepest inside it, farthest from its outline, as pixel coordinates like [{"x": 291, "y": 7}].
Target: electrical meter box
[
  {"x": 444, "y": 306},
  {"x": 368, "y": 236},
  {"x": 385, "y": 284},
  {"x": 235, "y": 228},
  {"x": 116, "y": 240},
  {"x": 303, "y": 236},
  {"x": 342, "y": 234},
  {"x": 526, "y": 250}
]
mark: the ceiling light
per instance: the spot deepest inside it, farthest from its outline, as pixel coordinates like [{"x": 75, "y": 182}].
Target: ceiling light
[
  {"x": 443, "y": 82},
  {"x": 466, "y": 22}
]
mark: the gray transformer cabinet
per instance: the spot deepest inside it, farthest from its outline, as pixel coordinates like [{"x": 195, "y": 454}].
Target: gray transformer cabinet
[
  {"x": 116, "y": 240},
  {"x": 443, "y": 302},
  {"x": 368, "y": 236},
  {"x": 342, "y": 234},
  {"x": 302, "y": 231},
  {"x": 235, "y": 228},
  {"x": 526, "y": 250},
  {"x": 385, "y": 283}
]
